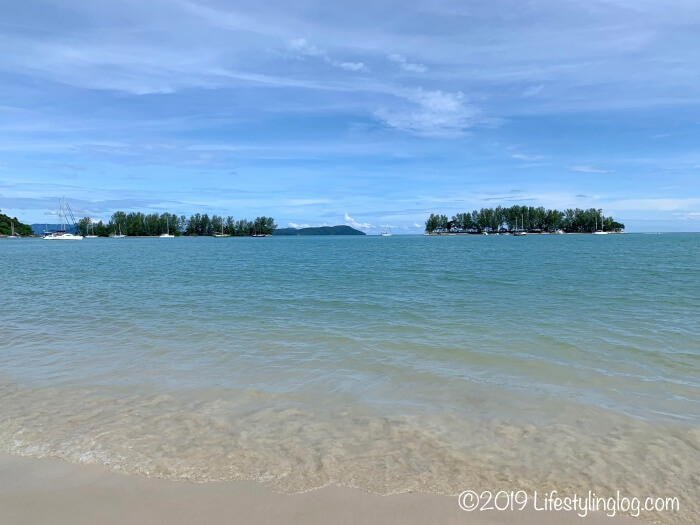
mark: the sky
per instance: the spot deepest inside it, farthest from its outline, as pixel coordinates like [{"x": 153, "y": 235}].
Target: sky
[{"x": 369, "y": 113}]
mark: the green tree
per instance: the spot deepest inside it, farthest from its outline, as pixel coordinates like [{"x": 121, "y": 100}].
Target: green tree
[
  {"x": 8, "y": 224},
  {"x": 431, "y": 224},
  {"x": 244, "y": 227},
  {"x": 523, "y": 217},
  {"x": 230, "y": 226},
  {"x": 82, "y": 227}
]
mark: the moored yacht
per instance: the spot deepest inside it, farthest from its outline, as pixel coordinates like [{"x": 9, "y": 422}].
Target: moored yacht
[
  {"x": 90, "y": 231},
  {"x": 62, "y": 235},
  {"x": 222, "y": 234},
  {"x": 167, "y": 234},
  {"x": 601, "y": 231},
  {"x": 119, "y": 235},
  {"x": 12, "y": 235}
]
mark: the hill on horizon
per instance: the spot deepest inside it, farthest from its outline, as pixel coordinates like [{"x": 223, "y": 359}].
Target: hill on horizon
[
  {"x": 320, "y": 230},
  {"x": 39, "y": 229}
]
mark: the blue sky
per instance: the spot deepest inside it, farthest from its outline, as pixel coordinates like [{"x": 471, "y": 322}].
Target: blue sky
[{"x": 367, "y": 113}]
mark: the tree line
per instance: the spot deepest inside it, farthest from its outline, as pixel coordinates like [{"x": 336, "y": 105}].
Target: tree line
[
  {"x": 7, "y": 223},
  {"x": 138, "y": 224},
  {"x": 522, "y": 218}
]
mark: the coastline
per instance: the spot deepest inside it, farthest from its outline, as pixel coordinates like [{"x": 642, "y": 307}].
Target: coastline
[
  {"x": 506, "y": 234},
  {"x": 50, "y": 490}
]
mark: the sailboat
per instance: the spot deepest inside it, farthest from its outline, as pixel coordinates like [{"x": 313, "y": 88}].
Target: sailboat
[
  {"x": 597, "y": 231},
  {"x": 519, "y": 233},
  {"x": 90, "y": 227},
  {"x": 167, "y": 234},
  {"x": 386, "y": 234},
  {"x": 119, "y": 235},
  {"x": 62, "y": 235},
  {"x": 222, "y": 234},
  {"x": 12, "y": 235}
]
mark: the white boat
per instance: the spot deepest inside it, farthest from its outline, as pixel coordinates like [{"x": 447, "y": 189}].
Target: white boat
[
  {"x": 62, "y": 235},
  {"x": 256, "y": 234},
  {"x": 118, "y": 235},
  {"x": 167, "y": 234},
  {"x": 597, "y": 231},
  {"x": 222, "y": 234},
  {"x": 519, "y": 233},
  {"x": 559, "y": 232},
  {"x": 58, "y": 235},
  {"x": 12, "y": 235},
  {"x": 91, "y": 235},
  {"x": 385, "y": 234}
]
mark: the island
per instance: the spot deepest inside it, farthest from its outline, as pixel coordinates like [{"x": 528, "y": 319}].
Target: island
[
  {"x": 320, "y": 230},
  {"x": 519, "y": 219},
  {"x": 139, "y": 224},
  {"x": 11, "y": 227}
]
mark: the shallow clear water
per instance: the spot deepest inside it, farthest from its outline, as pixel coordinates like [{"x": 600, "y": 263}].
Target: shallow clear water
[{"x": 390, "y": 364}]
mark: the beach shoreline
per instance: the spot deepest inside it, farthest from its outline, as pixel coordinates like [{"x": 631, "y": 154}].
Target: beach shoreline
[{"x": 50, "y": 490}]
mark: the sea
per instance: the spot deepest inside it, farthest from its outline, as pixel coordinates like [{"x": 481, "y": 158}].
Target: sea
[{"x": 566, "y": 363}]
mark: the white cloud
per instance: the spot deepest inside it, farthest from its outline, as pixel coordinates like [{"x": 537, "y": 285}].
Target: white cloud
[
  {"x": 690, "y": 216},
  {"x": 523, "y": 156},
  {"x": 306, "y": 202},
  {"x": 586, "y": 169},
  {"x": 352, "y": 222},
  {"x": 433, "y": 113},
  {"x": 665, "y": 205},
  {"x": 406, "y": 65},
  {"x": 353, "y": 66},
  {"x": 416, "y": 225},
  {"x": 302, "y": 47},
  {"x": 533, "y": 90}
]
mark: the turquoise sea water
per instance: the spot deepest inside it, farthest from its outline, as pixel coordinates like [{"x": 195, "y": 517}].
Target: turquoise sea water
[{"x": 391, "y": 364}]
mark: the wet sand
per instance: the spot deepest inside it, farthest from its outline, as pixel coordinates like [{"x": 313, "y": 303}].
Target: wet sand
[{"x": 38, "y": 491}]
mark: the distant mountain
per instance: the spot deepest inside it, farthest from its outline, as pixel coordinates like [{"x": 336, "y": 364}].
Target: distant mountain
[
  {"x": 39, "y": 229},
  {"x": 321, "y": 230}
]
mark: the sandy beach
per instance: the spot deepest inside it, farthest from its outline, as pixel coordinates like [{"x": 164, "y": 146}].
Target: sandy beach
[{"x": 36, "y": 491}]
